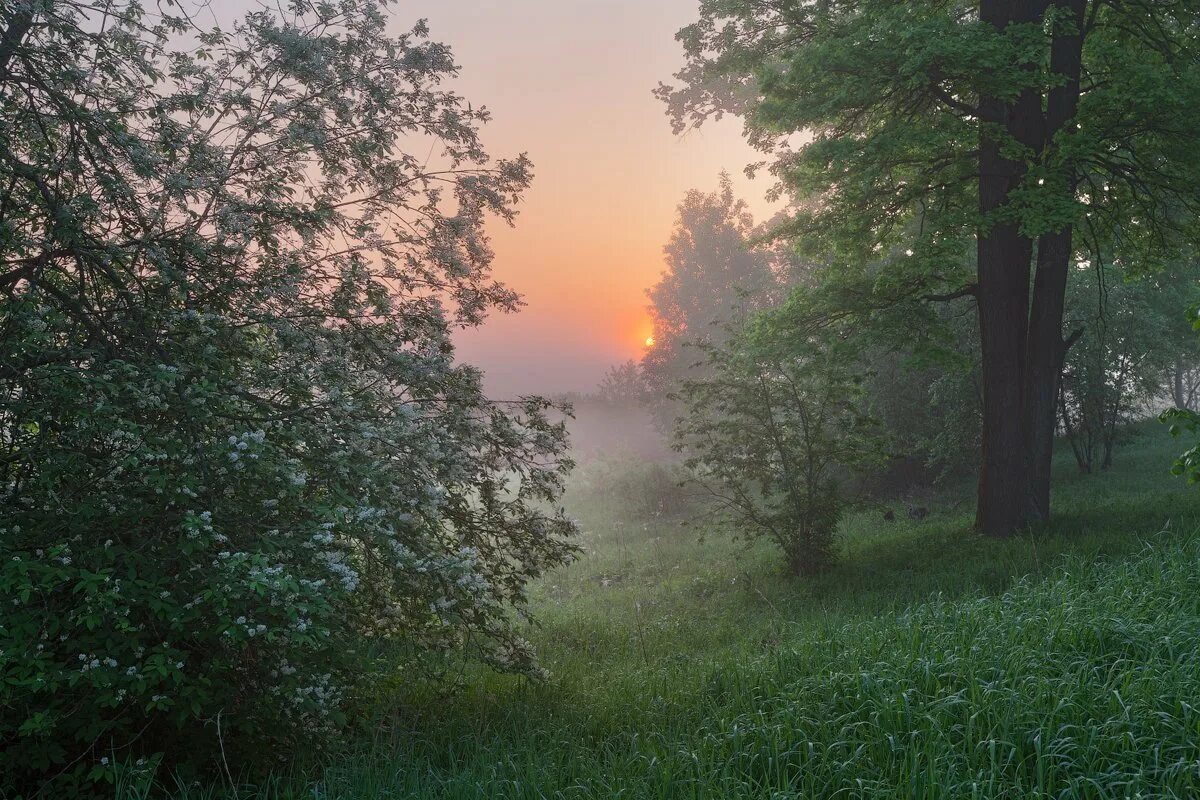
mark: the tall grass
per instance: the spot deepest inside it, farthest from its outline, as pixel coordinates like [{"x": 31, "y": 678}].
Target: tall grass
[{"x": 931, "y": 663}]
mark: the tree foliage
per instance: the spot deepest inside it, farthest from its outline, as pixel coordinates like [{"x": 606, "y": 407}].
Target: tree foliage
[
  {"x": 912, "y": 133},
  {"x": 622, "y": 385},
  {"x": 927, "y": 398},
  {"x": 1128, "y": 340},
  {"x": 242, "y": 475},
  {"x": 713, "y": 277}
]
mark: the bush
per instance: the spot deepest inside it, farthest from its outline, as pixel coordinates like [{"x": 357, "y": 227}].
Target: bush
[
  {"x": 774, "y": 427},
  {"x": 238, "y": 460}
]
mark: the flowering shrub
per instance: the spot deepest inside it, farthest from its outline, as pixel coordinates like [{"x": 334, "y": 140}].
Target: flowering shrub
[{"x": 237, "y": 458}]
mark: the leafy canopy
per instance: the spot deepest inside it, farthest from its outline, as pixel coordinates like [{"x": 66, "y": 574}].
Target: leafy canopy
[{"x": 867, "y": 112}]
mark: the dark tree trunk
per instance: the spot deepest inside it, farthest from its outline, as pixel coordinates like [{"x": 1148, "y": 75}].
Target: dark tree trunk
[
  {"x": 1005, "y": 500},
  {"x": 1079, "y": 447},
  {"x": 1022, "y": 344},
  {"x": 1044, "y": 362},
  {"x": 1046, "y": 346},
  {"x": 1004, "y": 489},
  {"x": 15, "y": 29}
]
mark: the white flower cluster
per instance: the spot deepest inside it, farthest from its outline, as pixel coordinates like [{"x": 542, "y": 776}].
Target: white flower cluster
[
  {"x": 335, "y": 561},
  {"x": 91, "y": 662},
  {"x": 353, "y": 499},
  {"x": 242, "y": 446}
]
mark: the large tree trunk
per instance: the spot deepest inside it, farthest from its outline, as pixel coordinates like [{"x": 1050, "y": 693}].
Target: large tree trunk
[
  {"x": 1005, "y": 500},
  {"x": 1044, "y": 362},
  {"x": 1004, "y": 254},
  {"x": 1046, "y": 348},
  {"x": 1022, "y": 344}
]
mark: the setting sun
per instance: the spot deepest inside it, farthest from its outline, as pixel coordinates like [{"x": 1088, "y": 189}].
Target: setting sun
[{"x": 649, "y": 341}]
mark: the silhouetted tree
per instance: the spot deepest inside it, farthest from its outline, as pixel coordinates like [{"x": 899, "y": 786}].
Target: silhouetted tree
[
  {"x": 623, "y": 385},
  {"x": 713, "y": 276}
]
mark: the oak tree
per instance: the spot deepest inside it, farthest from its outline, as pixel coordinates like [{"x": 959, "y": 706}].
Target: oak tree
[{"x": 913, "y": 133}]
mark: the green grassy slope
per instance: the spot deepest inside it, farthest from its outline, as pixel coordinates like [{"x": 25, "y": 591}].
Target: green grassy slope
[{"x": 930, "y": 664}]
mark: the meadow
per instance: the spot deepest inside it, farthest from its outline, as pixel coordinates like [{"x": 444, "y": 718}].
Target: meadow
[
  {"x": 286, "y": 513},
  {"x": 930, "y": 663}
]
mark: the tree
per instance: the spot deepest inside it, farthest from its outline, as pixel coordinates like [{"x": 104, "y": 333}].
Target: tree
[
  {"x": 1116, "y": 367},
  {"x": 1184, "y": 420},
  {"x": 1180, "y": 288},
  {"x": 1184, "y": 380},
  {"x": 912, "y": 130},
  {"x": 242, "y": 478},
  {"x": 622, "y": 385},
  {"x": 773, "y": 425},
  {"x": 713, "y": 277},
  {"x": 926, "y": 395}
]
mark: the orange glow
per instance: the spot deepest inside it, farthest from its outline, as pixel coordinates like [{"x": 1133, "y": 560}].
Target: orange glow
[{"x": 608, "y": 175}]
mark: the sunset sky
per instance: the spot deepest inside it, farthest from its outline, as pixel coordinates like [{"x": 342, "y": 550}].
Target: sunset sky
[{"x": 569, "y": 82}]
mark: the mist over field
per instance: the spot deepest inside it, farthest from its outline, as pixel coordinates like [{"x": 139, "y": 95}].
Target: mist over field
[
  {"x": 599, "y": 429},
  {"x": 690, "y": 399}
]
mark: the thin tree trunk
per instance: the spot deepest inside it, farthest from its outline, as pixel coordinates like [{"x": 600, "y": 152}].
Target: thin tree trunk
[
  {"x": 1177, "y": 384},
  {"x": 1081, "y": 460}
]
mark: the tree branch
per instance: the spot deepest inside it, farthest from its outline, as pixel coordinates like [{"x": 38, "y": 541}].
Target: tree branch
[
  {"x": 954, "y": 103},
  {"x": 1070, "y": 341},
  {"x": 15, "y": 29},
  {"x": 970, "y": 290}
]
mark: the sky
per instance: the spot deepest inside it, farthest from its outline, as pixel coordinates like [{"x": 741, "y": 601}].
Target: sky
[{"x": 569, "y": 82}]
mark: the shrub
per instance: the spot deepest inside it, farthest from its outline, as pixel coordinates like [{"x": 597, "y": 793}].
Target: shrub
[
  {"x": 237, "y": 455},
  {"x": 775, "y": 425}
]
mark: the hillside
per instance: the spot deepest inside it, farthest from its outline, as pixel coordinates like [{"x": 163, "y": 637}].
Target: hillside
[{"x": 931, "y": 663}]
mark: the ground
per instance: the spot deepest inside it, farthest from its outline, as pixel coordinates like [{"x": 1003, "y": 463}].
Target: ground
[{"x": 931, "y": 663}]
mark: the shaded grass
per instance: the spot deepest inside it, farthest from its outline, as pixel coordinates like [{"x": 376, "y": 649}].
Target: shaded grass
[{"x": 930, "y": 663}]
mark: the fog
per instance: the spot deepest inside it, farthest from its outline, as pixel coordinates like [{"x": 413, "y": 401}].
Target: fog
[{"x": 883, "y": 487}]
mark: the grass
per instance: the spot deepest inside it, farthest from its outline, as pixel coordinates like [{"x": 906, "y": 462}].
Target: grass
[{"x": 931, "y": 663}]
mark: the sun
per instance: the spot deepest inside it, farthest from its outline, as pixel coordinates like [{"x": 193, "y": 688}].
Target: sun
[{"x": 649, "y": 341}]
